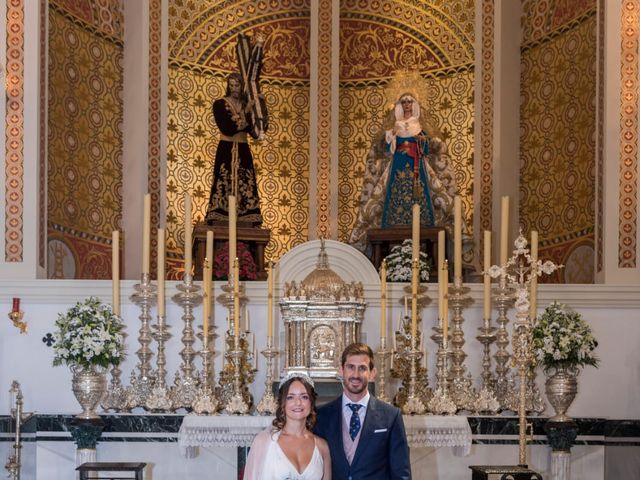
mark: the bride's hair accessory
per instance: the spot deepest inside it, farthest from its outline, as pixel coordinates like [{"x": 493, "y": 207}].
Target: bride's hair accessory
[{"x": 304, "y": 376}]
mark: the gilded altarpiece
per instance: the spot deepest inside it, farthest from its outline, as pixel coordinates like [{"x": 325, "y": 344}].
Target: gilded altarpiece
[
  {"x": 558, "y": 131},
  {"x": 378, "y": 39},
  {"x": 84, "y": 136},
  {"x": 202, "y": 39}
]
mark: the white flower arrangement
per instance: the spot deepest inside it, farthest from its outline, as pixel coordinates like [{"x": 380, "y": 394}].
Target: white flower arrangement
[
  {"x": 89, "y": 333},
  {"x": 561, "y": 338},
  {"x": 399, "y": 263}
]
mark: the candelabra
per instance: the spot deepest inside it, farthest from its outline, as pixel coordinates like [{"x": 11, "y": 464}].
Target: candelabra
[
  {"x": 463, "y": 393},
  {"x": 142, "y": 383},
  {"x": 206, "y": 401},
  {"x": 487, "y": 401},
  {"x": 237, "y": 403},
  {"x": 14, "y": 461},
  {"x": 383, "y": 355},
  {"x": 159, "y": 399},
  {"x": 441, "y": 402},
  {"x": 268, "y": 404},
  {"x": 404, "y": 363},
  {"x": 502, "y": 296},
  {"x": 519, "y": 271},
  {"x": 185, "y": 384}
]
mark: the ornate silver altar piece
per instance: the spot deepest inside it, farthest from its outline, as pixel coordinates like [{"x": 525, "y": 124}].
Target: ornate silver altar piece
[
  {"x": 503, "y": 299},
  {"x": 268, "y": 404},
  {"x": 238, "y": 372},
  {"x": 441, "y": 402},
  {"x": 14, "y": 462},
  {"x": 486, "y": 401},
  {"x": 403, "y": 358},
  {"x": 186, "y": 381},
  {"x": 321, "y": 315},
  {"x": 141, "y": 384},
  {"x": 519, "y": 270},
  {"x": 383, "y": 354},
  {"x": 89, "y": 386},
  {"x": 463, "y": 393},
  {"x": 206, "y": 401},
  {"x": 561, "y": 388},
  {"x": 159, "y": 399}
]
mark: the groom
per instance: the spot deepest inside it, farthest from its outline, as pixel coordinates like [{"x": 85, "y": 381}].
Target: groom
[{"x": 366, "y": 436}]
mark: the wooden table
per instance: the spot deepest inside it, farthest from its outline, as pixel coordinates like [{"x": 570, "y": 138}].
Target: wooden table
[
  {"x": 384, "y": 239},
  {"x": 256, "y": 239},
  {"x": 135, "y": 468}
]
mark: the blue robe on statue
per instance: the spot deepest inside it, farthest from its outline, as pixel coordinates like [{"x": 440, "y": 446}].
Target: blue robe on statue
[{"x": 408, "y": 184}]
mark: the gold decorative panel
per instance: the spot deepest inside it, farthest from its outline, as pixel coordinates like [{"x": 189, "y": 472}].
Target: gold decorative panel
[
  {"x": 628, "y": 219},
  {"x": 541, "y": 17},
  {"x": 14, "y": 132},
  {"x": 558, "y": 131},
  {"x": 85, "y": 142},
  {"x": 484, "y": 178}
]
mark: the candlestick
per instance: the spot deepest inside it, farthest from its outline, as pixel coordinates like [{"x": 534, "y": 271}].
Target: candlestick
[
  {"x": 415, "y": 233},
  {"x": 270, "y": 301},
  {"x": 115, "y": 271},
  {"x": 534, "y": 275},
  {"x": 445, "y": 307},
  {"x": 187, "y": 233},
  {"x": 457, "y": 237},
  {"x": 232, "y": 231},
  {"x": 146, "y": 233},
  {"x": 487, "y": 278},
  {"x": 247, "y": 321},
  {"x": 504, "y": 230},
  {"x": 441, "y": 248},
  {"x": 414, "y": 301},
  {"x": 161, "y": 269},
  {"x": 383, "y": 299}
]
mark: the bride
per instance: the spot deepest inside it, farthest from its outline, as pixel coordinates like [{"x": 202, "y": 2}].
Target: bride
[{"x": 289, "y": 449}]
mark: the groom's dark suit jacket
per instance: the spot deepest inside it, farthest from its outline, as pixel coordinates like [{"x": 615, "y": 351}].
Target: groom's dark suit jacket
[{"x": 382, "y": 453}]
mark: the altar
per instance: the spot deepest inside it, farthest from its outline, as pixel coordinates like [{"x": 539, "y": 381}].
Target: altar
[{"x": 238, "y": 431}]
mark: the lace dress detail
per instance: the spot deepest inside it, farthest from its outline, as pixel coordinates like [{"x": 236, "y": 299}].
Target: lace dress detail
[{"x": 279, "y": 467}]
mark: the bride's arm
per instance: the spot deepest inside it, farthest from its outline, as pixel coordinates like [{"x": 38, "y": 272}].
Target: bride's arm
[
  {"x": 257, "y": 455},
  {"x": 326, "y": 458}
]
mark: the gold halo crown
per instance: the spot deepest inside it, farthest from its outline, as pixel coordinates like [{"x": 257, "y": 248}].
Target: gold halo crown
[{"x": 406, "y": 82}]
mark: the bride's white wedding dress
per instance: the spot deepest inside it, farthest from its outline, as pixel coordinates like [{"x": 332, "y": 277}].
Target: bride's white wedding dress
[{"x": 267, "y": 461}]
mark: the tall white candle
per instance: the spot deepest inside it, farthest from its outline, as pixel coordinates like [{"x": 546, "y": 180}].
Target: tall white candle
[
  {"x": 533, "y": 305},
  {"x": 441, "y": 250},
  {"x": 445, "y": 312},
  {"x": 187, "y": 233},
  {"x": 161, "y": 269},
  {"x": 414, "y": 302},
  {"x": 207, "y": 281},
  {"x": 415, "y": 232},
  {"x": 236, "y": 299},
  {"x": 115, "y": 271},
  {"x": 504, "y": 230},
  {"x": 270, "y": 301},
  {"x": 383, "y": 299},
  {"x": 232, "y": 232},
  {"x": 146, "y": 233},
  {"x": 457, "y": 237},
  {"x": 487, "y": 278}
]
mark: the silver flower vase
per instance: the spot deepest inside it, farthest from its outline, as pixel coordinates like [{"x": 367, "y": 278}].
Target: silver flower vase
[
  {"x": 89, "y": 385},
  {"x": 561, "y": 388}
]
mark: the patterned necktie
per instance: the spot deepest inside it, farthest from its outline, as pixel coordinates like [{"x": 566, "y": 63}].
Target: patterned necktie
[{"x": 354, "y": 423}]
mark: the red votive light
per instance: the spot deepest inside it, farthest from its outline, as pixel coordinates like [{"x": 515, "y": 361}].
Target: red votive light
[{"x": 16, "y": 304}]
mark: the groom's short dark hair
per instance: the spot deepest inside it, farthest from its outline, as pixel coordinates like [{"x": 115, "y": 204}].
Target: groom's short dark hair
[{"x": 357, "y": 348}]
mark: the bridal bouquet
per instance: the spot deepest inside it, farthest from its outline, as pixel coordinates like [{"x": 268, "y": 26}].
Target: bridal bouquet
[
  {"x": 399, "y": 263},
  {"x": 562, "y": 338},
  {"x": 87, "y": 334}
]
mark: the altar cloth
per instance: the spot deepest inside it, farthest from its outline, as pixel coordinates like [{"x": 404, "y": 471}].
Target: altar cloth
[{"x": 239, "y": 430}]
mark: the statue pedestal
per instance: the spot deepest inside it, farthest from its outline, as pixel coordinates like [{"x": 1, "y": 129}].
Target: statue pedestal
[
  {"x": 384, "y": 239},
  {"x": 256, "y": 239}
]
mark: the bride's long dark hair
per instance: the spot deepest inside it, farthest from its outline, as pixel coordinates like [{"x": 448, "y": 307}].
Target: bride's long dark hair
[{"x": 283, "y": 391}]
